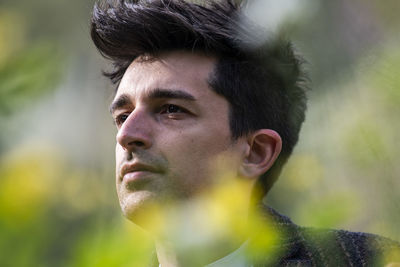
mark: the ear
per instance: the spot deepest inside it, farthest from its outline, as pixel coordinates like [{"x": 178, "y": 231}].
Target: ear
[{"x": 263, "y": 148}]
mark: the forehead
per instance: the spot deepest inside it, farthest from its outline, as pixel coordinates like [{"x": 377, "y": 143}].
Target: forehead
[{"x": 173, "y": 70}]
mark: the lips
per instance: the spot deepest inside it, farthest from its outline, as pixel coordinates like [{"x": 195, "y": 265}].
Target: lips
[{"x": 136, "y": 171}]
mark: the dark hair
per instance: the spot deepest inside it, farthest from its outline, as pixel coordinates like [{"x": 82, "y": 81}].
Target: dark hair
[{"x": 261, "y": 78}]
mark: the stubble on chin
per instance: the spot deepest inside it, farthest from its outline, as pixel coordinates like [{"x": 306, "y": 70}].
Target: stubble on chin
[{"x": 134, "y": 204}]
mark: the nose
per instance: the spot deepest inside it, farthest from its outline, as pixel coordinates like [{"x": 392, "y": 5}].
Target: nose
[{"x": 135, "y": 132}]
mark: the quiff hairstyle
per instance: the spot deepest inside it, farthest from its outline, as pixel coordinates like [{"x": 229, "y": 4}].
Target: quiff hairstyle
[{"x": 260, "y": 77}]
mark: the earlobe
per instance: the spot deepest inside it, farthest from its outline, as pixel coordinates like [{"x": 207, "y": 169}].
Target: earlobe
[{"x": 264, "y": 147}]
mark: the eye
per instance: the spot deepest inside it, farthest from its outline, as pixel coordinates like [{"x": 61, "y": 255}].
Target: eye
[
  {"x": 170, "y": 108},
  {"x": 120, "y": 119}
]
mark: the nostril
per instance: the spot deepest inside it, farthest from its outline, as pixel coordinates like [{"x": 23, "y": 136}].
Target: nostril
[{"x": 138, "y": 143}]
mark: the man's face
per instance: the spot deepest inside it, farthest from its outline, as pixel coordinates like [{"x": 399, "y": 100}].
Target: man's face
[{"x": 172, "y": 129}]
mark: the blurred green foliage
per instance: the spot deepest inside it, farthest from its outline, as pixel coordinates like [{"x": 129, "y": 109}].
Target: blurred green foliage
[
  {"x": 116, "y": 244},
  {"x": 26, "y": 71},
  {"x": 27, "y": 75}
]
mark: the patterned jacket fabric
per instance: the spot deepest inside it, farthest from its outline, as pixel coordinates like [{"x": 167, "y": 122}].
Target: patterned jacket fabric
[{"x": 302, "y": 246}]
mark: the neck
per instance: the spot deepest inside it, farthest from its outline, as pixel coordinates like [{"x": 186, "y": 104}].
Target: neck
[{"x": 168, "y": 256}]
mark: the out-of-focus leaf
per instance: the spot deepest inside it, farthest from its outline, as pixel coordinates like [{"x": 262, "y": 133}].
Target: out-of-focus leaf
[
  {"x": 303, "y": 171},
  {"x": 384, "y": 76},
  {"x": 119, "y": 244},
  {"x": 328, "y": 211},
  {"x": 12, "y": 33},
  {"x": 365, "y": 144},
  {"x": 28, "y": 75}
]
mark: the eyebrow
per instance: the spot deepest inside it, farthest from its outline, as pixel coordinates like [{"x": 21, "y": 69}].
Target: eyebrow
[
  {"x": 167, "y": 93},
  {"x": 124, "y": 100}
]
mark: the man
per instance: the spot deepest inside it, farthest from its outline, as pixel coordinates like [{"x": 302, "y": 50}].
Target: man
[{"x": 201, "y": 92}]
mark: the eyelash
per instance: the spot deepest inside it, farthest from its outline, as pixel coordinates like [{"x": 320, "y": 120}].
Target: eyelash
[
  {"x": 165, "y": 109},
  {"x": 120, "y": 119}
]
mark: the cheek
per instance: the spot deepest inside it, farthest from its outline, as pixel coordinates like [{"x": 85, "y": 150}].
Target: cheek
[
  {"x": 194, "y": 153},
  {"x": 118, "y": 157},
  {"x": 118, "y": 151}
]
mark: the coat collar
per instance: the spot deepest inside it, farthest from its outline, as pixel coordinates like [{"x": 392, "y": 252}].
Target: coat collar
[{"x": 290, "y": 248}]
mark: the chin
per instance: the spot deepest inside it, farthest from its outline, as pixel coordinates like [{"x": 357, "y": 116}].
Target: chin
[{"x": 139, "y": 207}]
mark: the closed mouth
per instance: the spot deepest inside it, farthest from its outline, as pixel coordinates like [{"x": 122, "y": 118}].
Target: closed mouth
[{"x": 136, "y": 171}]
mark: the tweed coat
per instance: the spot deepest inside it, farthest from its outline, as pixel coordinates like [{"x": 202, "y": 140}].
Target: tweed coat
[{"x": 304, "y": 246}]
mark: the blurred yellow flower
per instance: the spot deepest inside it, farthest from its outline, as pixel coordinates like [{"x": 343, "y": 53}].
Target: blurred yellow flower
[
  {"x": 216, "y": 220},
  {"x": 26, "y": 183}
]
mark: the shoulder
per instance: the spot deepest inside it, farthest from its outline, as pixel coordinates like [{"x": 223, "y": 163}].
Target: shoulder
[
  {"x": 306, "y": 246},
  {"x": 326, "y": 247}
]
